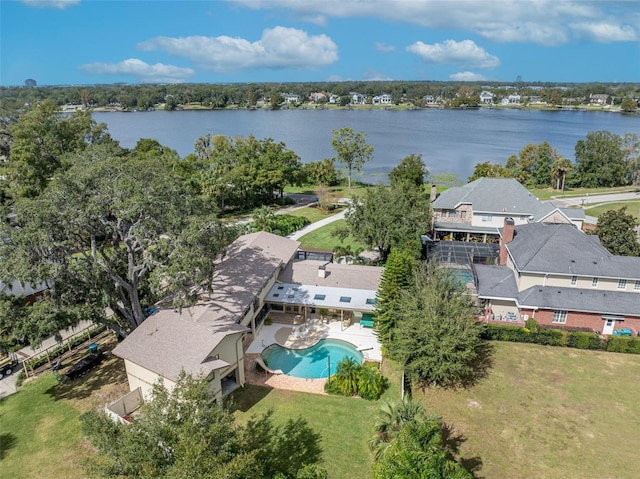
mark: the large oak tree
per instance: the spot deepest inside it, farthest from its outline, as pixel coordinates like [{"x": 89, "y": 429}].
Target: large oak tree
[{"x": 115, "y": 230}]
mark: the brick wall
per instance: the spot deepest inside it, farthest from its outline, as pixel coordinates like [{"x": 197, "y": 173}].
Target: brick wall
[{"x": 593, "y": 321}]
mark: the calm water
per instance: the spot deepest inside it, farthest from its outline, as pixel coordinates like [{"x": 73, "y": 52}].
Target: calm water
[
  {"x": 313, "y": 362},
  {"x": 450, "y": 141}
]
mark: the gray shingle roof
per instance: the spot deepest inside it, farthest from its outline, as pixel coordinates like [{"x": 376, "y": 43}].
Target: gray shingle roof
[
  {"x": 336, "y": 275},
  {"x": 490, "y": 195},
  {"x": 496, "y": 282},
  {"x": 563, "y": 249},
  {"x": 169, "y": 341},
  {"x": 577, "y": 299}
]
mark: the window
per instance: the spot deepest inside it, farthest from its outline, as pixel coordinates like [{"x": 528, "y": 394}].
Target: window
[
  {"x": 280, "y": 287},
  {"x": 319, "y": 297},
  {"x": 559, "y": 316},
  {"x": 636, "y": 287},
  {"x": 594, "y": 283},
  {"x": 345, "y": 299},
  {"x": 453, "y": 214},
  {"x": 574, "y": 280},
  {"x": 622, "y": 284},
  {"x": 276, "y": 295},
  {"x": 371, "y": 301},
  {"x": 487, "y": 218},
  {"x": 463, "y": 214}
]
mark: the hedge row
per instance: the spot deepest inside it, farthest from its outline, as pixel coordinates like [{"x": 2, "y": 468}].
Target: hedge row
[
  {"x": 556, "y": 337},
  {"x": 283, "y": 225}
]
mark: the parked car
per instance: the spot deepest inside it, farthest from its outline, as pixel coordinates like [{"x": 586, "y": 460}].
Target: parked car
[{"x": 7, "y": 366}]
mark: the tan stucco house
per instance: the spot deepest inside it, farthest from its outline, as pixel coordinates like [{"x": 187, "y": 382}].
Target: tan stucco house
[{"x": 207, "y": 338}]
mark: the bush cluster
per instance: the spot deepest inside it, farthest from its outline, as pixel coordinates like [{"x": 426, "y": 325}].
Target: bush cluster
[
  {"x": 283, "y": 225},
  {"x": 556, "y": 337},
  {"x": 352, "y": 379}
]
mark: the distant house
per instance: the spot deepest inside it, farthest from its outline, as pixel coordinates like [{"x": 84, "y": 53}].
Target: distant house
[
  {"x": 291, "y": 98},
  {"x": 430, "y": 99},
  {"x": 383, "y": 99},
  {"x": 317, "y": 96},
  {"x": 561, "y": 277},
  {"x": 478, "y": 209},
  {"x": 599, "y": 99},
  {"x": 31, "y": 293},
  {"x": 358, "y": 99},
  {"x": 514, "y": 98},
  {"x": 486, "y": 97},
  {"x": 334, "y": 99}
]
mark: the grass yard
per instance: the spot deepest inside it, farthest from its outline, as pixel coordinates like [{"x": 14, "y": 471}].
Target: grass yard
[
  {"x": 633, "y": 208},
  {"x": 322, "y": 238},
  {"x": 547, "y": 412},
  {"x": 40, "y": 434},
  {"x": 549, "y": 193},
  {"x": 313, "y": 214},
  {"x": 345, "y": 424},
  {"x": 542, "y": 412}
]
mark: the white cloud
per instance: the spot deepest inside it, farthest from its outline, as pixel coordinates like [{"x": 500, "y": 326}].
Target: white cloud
[
  {"x": 545, "y": 22},
  {"x": 605, "y": 32},
  {"x": 383, "y": 47},
  {"x": 279, "y": 47},
  {"x": 157, "y": 73},
  {"x": 467, "y": 76},
  {"x": 60, "y": 4},
  {"x": 375, "y": 75},
  {"x": 450, "y": 52}
]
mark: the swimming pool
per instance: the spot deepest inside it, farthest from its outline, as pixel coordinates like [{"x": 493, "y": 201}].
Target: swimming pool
[
  {"x": 464, "y": 275},
  {"x": 310, "y": 363}
]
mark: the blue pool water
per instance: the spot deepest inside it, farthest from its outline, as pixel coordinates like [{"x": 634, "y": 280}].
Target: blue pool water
[
  {"x": 464, "y": 275},
  {"x": 310, "y": 363}
]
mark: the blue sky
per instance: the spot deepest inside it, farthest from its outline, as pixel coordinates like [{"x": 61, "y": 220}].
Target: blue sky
[{"x": 62, "y": 42}]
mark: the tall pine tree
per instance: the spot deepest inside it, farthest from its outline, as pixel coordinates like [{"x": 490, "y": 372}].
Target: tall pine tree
[{"x": 397, "y": 276}]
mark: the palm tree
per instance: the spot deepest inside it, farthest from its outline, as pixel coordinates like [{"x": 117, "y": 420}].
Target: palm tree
[
  {"x": 370, "y": 382},
  {"x": 559, "y": 170},
  {"x": 392, "y": 418},
  {"x": 262, "y": 216},
  {"x": 419, "y": 451},
  {"x": 347, "y": 376}
]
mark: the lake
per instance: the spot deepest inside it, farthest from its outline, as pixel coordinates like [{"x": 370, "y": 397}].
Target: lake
[{"x": 450, "y": 141}]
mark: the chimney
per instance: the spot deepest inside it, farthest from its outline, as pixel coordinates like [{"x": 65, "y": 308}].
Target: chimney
[
  {"x": 322, "y": 271},
  {"x": 507, "y": 236},
  {"x": 433, "y": 194}
]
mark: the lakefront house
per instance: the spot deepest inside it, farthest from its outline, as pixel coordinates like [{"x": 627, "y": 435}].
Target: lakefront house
[{"x": 477, "y": 210}]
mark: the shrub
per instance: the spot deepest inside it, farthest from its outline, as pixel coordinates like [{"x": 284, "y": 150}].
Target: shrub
[
  {"x": 532, "y": 325},
  {"x": 351, "y": 379},
  {"x": 621, "y": 344}
]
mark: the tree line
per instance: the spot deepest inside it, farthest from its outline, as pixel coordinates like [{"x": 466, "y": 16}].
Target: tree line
[
  {"x": 244, "y": 95},
  {"x": 602, "y": 159}
]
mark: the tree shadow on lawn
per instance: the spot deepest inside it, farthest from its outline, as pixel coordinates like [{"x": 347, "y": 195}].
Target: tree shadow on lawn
[
  {"x": 110, "y": 371},
  {"x": 481, "y": 366},
  {"x": 244, "y": 399},
  {"x": 452, "y": 442},
  {"x": 7, "y": 441}
]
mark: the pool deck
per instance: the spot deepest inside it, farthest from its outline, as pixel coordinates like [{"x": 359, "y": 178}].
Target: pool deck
[{"x": 292, "y": 337}]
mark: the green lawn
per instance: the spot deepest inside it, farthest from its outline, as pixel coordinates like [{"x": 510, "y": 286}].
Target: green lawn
[
  {"x": 548, "y": 193},
  {"x": 345, "y": 424},
  {"x": 633, "y": 208},
  {"x": 322, "y": 238},
  {"x": 542, "y": 412},
  {"x": 313, "y": 214},
  {"x": 547, "y": 412},
  {"x": 40, "y": 434}
]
